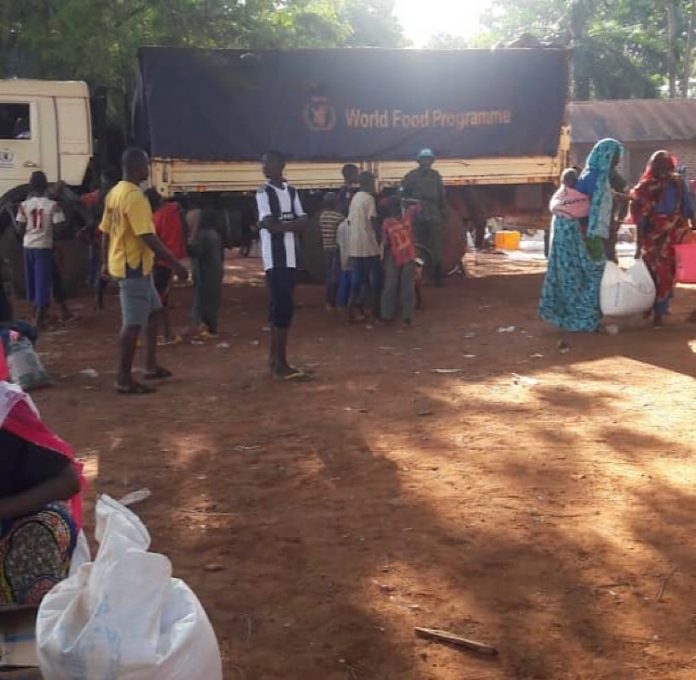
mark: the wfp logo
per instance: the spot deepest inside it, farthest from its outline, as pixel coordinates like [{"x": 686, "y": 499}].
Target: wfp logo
[
  {"x": 6, "y": 156},
  {"x": 319, "y": 114}
]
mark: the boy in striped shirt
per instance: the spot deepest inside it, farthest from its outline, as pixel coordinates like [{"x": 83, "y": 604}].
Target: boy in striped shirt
[
  {"x": 281, "y": 216},
  {"x": 329, "y": 219}
]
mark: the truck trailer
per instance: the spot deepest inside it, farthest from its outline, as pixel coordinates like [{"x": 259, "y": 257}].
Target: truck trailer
[{"x": 494, "y": 118}]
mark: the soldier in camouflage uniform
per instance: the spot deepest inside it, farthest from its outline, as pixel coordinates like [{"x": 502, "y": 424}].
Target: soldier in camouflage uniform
[{"x": 425, "y": 185}]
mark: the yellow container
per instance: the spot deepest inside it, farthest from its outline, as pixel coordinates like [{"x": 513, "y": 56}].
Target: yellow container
[{"x": 507, "y": 240}]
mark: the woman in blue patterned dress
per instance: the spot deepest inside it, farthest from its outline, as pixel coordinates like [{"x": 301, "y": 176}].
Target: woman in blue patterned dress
[{"x": 570, "y": 295}]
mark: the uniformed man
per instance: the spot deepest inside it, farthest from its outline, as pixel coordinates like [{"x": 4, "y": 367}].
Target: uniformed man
[{"x": 425, "y": 185}]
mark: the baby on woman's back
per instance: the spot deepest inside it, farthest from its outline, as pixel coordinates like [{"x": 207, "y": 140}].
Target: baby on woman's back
[{"x": 568, "y": 202}]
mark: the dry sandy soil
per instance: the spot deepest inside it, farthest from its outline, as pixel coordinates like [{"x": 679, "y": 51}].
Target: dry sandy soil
[{"x": 536, "y": 500}]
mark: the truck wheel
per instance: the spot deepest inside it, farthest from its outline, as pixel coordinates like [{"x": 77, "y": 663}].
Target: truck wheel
[
  {"x": 423, "y": 254},
  {"x": 10, "y": 245},
  {"x": 9, "y": 203}
]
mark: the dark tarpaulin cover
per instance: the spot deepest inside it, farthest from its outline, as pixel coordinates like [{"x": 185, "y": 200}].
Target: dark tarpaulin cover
[{"x": 349, "y": 104}]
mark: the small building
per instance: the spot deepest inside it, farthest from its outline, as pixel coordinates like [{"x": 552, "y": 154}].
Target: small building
[{"x": 642, "y": 125}]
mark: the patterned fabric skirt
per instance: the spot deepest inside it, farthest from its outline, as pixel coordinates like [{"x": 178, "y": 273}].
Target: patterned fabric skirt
[
  {"x": 570, "y": 296},
  {"x": 658, "y": 243},
  {"x": 35, "y": 553}
]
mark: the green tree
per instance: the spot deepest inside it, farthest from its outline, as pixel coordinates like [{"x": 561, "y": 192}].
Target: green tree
[
  {"x": 446, "y": 41},
  {"x": 372, "y": 23},
  {"x": 97, "y": 40},
  {"x": 621, "y": 48}
]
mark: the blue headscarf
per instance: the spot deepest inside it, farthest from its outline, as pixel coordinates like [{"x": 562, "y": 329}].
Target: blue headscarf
[{"x": 599, "y": 164}]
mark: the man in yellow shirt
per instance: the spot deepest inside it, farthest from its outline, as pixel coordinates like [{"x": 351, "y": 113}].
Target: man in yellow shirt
[{"x": 129, "y": 247}]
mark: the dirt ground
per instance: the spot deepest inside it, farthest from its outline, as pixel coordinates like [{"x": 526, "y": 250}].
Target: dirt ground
[{"x": 537, "y": 500}]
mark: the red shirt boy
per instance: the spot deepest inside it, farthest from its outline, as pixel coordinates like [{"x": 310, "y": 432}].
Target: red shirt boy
[
  {"x": 170, "y": 229},
  {"x": 398, "y": 235}
]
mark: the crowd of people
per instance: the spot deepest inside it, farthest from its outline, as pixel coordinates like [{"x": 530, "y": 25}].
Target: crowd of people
[
  {"x": 139, "y": 240},
  {"x": 372, "y": 270},
  {"x": 587, "y": 211},
  {"x": 376, "y": 250},
  {"x": 372, "y": 267}
]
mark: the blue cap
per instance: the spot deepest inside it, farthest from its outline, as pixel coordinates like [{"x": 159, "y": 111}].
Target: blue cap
[{"x": 425, "y": 153}]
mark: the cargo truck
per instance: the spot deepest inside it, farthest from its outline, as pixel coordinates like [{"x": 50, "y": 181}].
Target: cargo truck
[{"x": 495, "y": 119}]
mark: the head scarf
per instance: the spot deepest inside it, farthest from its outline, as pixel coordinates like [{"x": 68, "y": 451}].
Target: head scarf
[
  {"x": 599, "y": 163},
  {"x": 19, "y": 415},
  {"x": 649, "y": 190}
]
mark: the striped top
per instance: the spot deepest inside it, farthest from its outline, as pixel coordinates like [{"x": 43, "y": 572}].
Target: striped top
[{"x": 328, "y": 223}]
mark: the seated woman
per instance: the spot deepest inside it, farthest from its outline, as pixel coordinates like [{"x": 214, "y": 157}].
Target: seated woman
[{"x": 40, "y": 503}]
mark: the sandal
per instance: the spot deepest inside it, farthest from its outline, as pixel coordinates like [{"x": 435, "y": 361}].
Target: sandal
[
  {"x": 168, "y": 342},
  {"x": 295, "y": 376},
  {"x": 134, "y": 388},
  {"x": 158, "y": 374}
]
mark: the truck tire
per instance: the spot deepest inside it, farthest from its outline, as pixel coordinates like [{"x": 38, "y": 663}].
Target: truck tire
[
  {"x": 10, "y": 244},
  {"x": 453, "y": 240}
]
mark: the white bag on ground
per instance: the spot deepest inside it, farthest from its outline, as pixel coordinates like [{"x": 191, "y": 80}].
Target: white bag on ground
[
  {"x": 81, "y": 554},
  {"x": 25, "y": 367},
  {"x": 122, "y": 617},
  {"x": 623, "y": 293}
]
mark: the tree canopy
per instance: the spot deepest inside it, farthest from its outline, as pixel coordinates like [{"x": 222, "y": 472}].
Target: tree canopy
[
  {"x": 97, "y": 40},
  {"x": 621, "y": 48}
]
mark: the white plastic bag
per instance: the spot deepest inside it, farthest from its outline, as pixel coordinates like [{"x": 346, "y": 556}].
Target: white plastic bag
[
  {"x": 623, "y": 293},
  {"x": 122, "y": 617},
  {"x": 81, "y": 555},
  {"x": 25, "y": 367}
]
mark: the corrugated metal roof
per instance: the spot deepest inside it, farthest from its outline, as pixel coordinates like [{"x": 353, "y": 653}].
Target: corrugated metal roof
[{"x": 633, "y": 120}]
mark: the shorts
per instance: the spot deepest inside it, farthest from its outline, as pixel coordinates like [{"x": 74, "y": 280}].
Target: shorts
[
  {"x": 139, "y": 300},
  {"x": 281, "y": 284},
  {"x": 38, "y": 270},
  {"x": 162, "y": 276}
]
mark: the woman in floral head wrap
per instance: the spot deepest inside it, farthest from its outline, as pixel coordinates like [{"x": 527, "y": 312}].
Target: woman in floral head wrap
[{"x": 661, "y": 209}]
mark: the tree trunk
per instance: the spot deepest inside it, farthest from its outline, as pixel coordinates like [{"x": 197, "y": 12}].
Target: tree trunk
[
  {"x": 671, "y": 61},
  {"x": 582, "y": 81},
  {"x": 689, "y": 54},
  {"x": 581, "y": 62}
]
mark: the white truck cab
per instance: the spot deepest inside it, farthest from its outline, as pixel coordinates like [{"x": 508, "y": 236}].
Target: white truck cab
[{"x": 44, "y": 125}]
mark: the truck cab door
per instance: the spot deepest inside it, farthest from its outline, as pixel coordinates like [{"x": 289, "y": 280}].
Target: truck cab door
[{"x": 20, "y": 148}]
